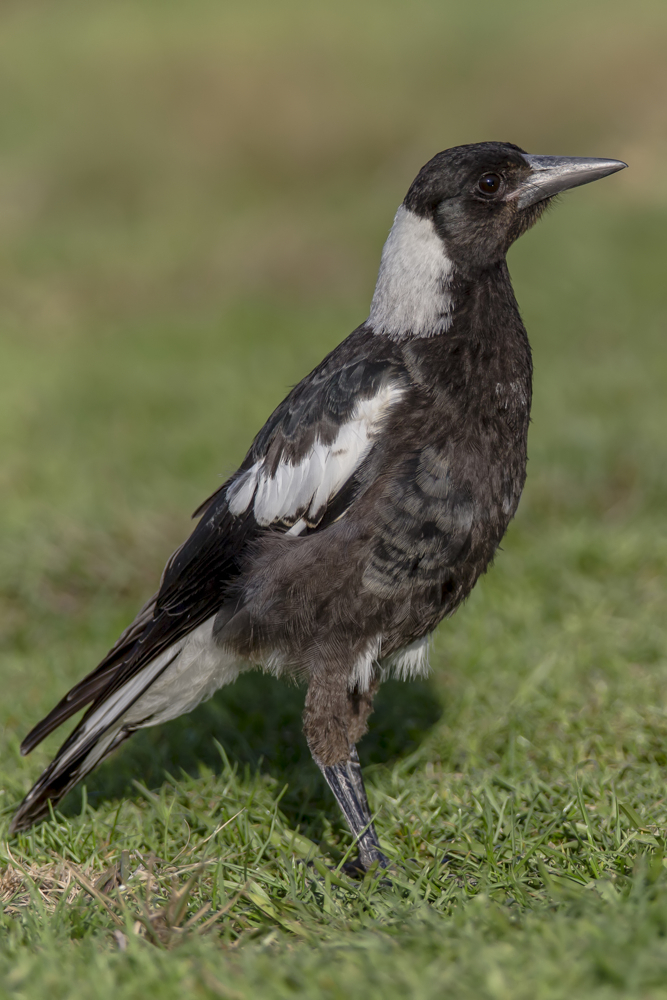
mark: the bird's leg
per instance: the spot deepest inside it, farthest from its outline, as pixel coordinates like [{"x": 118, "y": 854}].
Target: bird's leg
[
  {"x": 333, "y": 720},
  {"x": 345, "y": 781}
]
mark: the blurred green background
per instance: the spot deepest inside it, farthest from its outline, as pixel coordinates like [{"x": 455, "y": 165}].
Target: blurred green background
[{"x": 193, "y": 201}]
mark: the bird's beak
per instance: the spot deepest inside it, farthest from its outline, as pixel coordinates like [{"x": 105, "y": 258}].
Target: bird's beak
[{"x": 551, "y": 174}]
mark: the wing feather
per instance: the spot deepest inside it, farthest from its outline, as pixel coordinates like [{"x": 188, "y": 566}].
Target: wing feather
[
  {"x": 300, "y": 472},
  {"x": 279, "y": 492}
]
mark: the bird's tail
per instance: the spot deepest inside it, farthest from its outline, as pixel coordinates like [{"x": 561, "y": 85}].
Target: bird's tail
[
  {"x": 62, "y": 775},
  {"x": 100, "y": 731}
]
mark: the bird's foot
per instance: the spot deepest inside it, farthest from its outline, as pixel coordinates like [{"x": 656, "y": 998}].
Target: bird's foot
[{"x": 360, "y": 867}]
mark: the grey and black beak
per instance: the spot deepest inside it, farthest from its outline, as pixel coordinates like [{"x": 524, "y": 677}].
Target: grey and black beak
[{"x": 551, "y": 174}]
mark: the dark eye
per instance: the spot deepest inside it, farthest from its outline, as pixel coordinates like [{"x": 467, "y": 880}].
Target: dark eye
[{"x": 489, "y": 183}]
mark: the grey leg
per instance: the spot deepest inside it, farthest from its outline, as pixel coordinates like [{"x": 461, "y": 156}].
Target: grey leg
[{"x": 347, "y": 784}]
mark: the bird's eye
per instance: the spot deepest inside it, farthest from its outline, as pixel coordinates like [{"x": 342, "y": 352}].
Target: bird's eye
[{"x": 489, "y": 183}]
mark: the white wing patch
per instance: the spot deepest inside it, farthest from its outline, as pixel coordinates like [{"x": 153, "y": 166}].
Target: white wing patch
[
  {"x": 302, "y": 491},
  {"x": 412, "y": 295}
]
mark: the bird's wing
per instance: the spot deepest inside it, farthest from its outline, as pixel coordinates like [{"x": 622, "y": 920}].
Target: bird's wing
[
  {"x": 294, "y": 480},
  {"x": 299, "y": 474}
]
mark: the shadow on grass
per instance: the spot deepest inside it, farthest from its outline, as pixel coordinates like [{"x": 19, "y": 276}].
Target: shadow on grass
[{"x": 258, "y": 722}]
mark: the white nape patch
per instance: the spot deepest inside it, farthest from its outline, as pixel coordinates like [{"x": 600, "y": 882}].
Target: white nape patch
[
  {"x": 412, "y": 295},
  {"x": 408, "y": 663},
  {"x": 364, "y": 669},
  {"x": 303, "y": 490}
]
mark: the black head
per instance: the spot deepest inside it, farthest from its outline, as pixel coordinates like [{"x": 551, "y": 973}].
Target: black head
[{"x": 483, "y": 196}]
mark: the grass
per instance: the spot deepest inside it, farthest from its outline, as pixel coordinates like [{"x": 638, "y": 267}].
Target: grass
[{"x": 192, "y": 203}]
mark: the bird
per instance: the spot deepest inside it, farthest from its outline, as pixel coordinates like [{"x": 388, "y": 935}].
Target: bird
[{"x": 367, "y": 506}]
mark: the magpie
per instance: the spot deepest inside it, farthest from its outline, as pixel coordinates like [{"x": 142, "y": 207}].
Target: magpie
[{"x": 367, "y": 506}]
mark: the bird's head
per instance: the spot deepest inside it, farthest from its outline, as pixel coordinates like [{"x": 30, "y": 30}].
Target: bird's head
[
  {"x": 482, "y": 197},
  {"x": 462, "y": 213}
]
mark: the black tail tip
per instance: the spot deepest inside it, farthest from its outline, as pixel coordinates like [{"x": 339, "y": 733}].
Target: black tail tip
[
  {"x": 18, "y": 824},
  {"x": 26, "y": 816}
]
